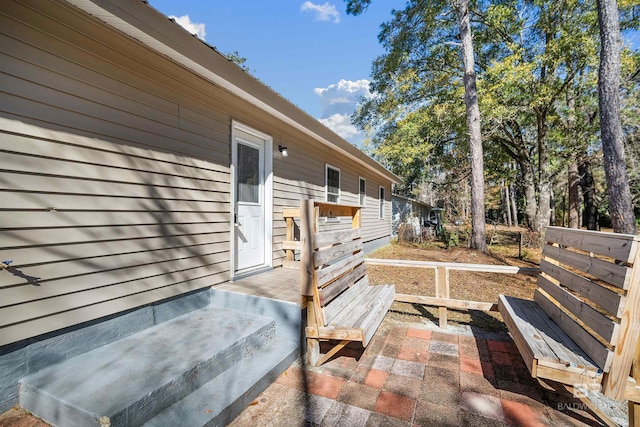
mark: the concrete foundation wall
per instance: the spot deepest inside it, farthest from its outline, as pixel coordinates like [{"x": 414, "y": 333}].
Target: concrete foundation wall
[{"x": 372, "y": 245}]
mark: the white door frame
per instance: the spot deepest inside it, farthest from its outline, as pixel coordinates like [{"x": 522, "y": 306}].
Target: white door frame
[{"x": 268, "y": 199}]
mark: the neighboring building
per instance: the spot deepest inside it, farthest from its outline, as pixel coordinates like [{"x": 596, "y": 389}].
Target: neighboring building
[
  {"x": 416, "y": 215},
  {"x": 139, "y": 164}
]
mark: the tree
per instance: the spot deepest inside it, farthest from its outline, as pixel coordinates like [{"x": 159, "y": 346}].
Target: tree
[
  {"x": 428, "y": 12},
  {"x": 620, "y": 203},
  {"x": 546, "y": 50},
  {"x": 536, "y": 65},
  {"x": 478, "y": 232}
]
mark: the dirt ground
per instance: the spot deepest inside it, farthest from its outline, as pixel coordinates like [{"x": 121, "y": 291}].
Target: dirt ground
[
  {"x": 464, "y": 285},
  {"x": 18, "y": 417}
]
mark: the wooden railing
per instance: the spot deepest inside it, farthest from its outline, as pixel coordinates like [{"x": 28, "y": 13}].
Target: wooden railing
[
  {"x": 442, "y": 298},
  {"x": 290, "y": 245}
]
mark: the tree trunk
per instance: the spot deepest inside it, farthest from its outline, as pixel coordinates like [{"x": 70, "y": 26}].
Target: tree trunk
[
  {"x": 507, "y": 204},
  {"x": 531, "y": 204},
  {"x": 574, "y": 195},
  {"x": 574, "y": 176},
  {"x": 544, "y": 178},
  {"x": 620, "y": 203},
  {"x": 544, "y": 206},
  {"x": 478, "y": 232},
  {"x": 512, "y": 189},
  {"x": 587, "y": 183}
]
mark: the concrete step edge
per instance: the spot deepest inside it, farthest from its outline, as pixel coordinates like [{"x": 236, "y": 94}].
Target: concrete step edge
[
  {"x": 38, "y": 392},
  {"x": 219, "y": 401}
]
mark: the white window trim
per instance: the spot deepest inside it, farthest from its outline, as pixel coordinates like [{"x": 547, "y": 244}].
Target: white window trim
[
  {"x": 326, "y": 182},
  {"x": 381, "y": 201},
  {"x": 363, "y": 203}
]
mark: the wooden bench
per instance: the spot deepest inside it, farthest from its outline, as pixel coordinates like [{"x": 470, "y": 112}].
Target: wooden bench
[
  {"x": 582, "y": 327},
  {"x": 341, "y": 306}
]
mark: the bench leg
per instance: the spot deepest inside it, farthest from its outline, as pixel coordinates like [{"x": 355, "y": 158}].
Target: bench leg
[
  {"x": 313, "y": 351},
  {"x": 634, "y": 414},
  {"x": 594, "y": 408},
  {"x": 333, "y": 351}
]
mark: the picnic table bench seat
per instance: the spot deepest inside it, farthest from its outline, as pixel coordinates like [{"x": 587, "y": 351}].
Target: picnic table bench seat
[{"x": 582, "y": 327}]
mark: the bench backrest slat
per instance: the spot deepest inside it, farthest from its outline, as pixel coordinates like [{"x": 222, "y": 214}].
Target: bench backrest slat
[
  {"x": 599, "y": 323},
  {"x": 330, "y": 254},
  {"x": 617, "y": 246},
  {"x": 328, "y": 238},
  {"x": 605, "y": 270},
  {"x": 329, "y": 273},
  {"x": 599, "y": 353},
  {"x": 328, "y": 293},
  {"x": 589, "y": 285},
  {"x": 607, "y": 299}
]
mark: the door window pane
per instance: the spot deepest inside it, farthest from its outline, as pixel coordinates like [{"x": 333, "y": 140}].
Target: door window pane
[{"x": 248, "y": 188}]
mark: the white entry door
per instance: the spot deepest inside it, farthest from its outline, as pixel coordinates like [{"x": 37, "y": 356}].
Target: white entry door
[{"x": 250, "y": 219}]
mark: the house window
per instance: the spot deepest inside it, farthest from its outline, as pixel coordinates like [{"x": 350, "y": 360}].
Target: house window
[
  {"x": 381, "y": 212},
  {"x": 363, "y": 191},
  {"x": 332, "y": 183}
]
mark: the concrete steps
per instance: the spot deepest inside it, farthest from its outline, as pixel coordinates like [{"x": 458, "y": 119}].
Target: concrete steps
[
  {"x": 213, "y": 356},
  {"x": 220, "y": 400}
]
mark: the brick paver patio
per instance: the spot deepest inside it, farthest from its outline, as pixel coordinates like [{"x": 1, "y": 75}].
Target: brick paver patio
[{"x": 409, "y": 376}]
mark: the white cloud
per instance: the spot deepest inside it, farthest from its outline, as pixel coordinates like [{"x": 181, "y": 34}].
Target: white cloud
[
  {"x": 324, "y": 12},
  {"x": 341, "y": 124},
  {"x": 192, "y": 27},
  {"x": 342, "y": 97},
  {"x": 339, "y": 101}
]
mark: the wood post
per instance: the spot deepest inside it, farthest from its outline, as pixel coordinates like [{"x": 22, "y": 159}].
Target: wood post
[
  {"x": 289, "y": 237},
  {"x": 520, "y": 245},
  {"x": 634, "y": 414},
  {"x": 614, "y": 383},
  {"x": 634, "y": 403},
  {"x": 308, "y": 227},
  {"x": 442, "y": 291},
  {"x": 313, "y": 344},
  {"x": 356, "y": 218}
]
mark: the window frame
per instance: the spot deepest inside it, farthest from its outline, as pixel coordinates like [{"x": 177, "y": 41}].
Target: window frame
[
  {"x": 362, "y": 195},
  {"x": 328, "y": 166},
  {"x": 381, "y": 207}
]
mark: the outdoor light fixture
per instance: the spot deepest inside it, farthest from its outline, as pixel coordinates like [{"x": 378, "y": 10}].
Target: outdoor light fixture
[{"x": 283, "y": 151}]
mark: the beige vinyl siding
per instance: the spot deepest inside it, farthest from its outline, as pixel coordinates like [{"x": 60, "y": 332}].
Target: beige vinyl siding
[
  {"x": 115, "y": 183},
  {"x": 76, "y": 243},
  {"x": 115, "y": 175},
  {"x": 301, "y": 175}
]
